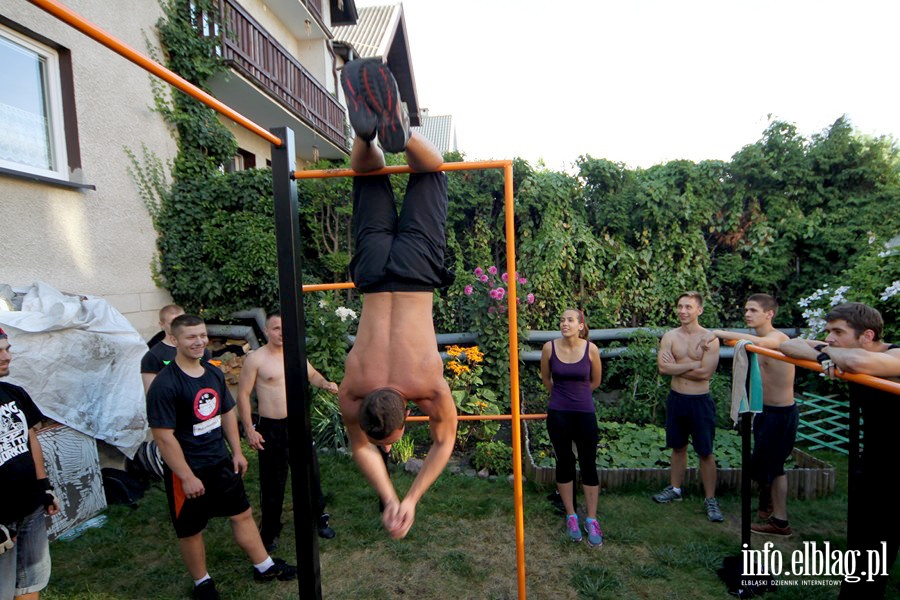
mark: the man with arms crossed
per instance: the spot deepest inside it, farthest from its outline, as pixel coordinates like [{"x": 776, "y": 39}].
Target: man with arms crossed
[
  {"x": 854, "y": 345},
  {"x": 264, "y": 370},
  {"x": 775, "y": 429},
  {"x": 190, "y": 413},
  {"x": 399, "y": 260},
  {"x": 27, "y": 495},
  {"x": 690, "y": 410}
]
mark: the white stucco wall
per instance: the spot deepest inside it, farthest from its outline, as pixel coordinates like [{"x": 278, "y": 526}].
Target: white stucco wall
[{"x": 102, "y": 241}]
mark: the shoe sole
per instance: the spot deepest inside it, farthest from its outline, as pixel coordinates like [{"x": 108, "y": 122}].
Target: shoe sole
[
  {"x": 678, "y": 499},
  {"x": 362, "y": 118},
  {"x": 384, "y": 97},
  {"x": 772, "y": 533}
]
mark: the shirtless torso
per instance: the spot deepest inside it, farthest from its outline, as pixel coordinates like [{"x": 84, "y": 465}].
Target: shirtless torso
[
  {"x": 691, "y": 367},
  {"x": 396, "y": 348}
]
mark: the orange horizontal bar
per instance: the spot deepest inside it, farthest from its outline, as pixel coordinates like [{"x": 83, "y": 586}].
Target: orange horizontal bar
[
  {"x": 868, "y": 380},
  {"x": 534, "y": 417},
  {"x": 322, "y": 287},
  {"x": 394, "y": 170},
  {"x": 75, "y": 20}
]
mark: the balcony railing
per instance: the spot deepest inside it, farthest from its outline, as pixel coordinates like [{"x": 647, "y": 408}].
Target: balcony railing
[{"x": 253, "y": 52}]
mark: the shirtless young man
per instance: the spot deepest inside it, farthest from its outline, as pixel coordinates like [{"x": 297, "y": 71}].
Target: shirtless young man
[
  {"x": 399, "y": 260},
  {"x": 775, "y": 429},
  {"x": 690, "y": 410},
  {"x": 264, "y": 370},
  {"x": 854, "y": 344}
]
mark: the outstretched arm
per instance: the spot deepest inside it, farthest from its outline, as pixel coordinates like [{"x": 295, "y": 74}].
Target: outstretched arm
[
  {"x": 858, "y": 360},
  {"x": 318, "y": 380},
  {"x": 367, "y": 456},
  {"x": 771, "y": 340},
  {"x": 801, "y": 348},
  {"x": 442, "y": 422}
]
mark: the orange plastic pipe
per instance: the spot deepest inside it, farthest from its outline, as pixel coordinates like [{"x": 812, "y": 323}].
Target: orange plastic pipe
[
  {"x": 528, "y": 417},
  {"x": 397, "y": 169},
  {"x": 878, "y": 383},
  {"x": 323, "y": 287},
  {"x": 518, "y": 496},
  {"x": 75, "y": 20}
]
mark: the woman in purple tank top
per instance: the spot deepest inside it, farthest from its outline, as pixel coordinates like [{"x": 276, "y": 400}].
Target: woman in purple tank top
[{"x": 570, "y": 369}]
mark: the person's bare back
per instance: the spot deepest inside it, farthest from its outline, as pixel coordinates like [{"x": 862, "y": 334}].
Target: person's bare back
[{"x": 395, "y": 348}]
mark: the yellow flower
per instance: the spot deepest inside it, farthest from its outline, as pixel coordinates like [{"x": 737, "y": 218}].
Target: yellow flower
[
  {"x": 454, "y": 351},
  {"x": 474, "y": 355}
]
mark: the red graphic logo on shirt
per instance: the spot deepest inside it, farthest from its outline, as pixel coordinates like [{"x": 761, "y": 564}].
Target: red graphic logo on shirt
[{"x": 206, "y": 404}]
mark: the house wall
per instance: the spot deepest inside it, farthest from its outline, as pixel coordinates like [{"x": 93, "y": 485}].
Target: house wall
[{"x": 99, "y": 242}]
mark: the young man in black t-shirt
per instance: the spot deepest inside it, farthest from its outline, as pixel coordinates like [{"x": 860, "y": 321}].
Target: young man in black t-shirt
[
  {"x": 27, "y": 495},
  {"x": 190, "y": 412}
]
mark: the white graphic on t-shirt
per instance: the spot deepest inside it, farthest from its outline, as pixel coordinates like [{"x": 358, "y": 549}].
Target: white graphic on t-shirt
[
  {"x": 13, "y": 432},
  {"x": 208, "y": 425},
  {"x": 206, "y": 403}
]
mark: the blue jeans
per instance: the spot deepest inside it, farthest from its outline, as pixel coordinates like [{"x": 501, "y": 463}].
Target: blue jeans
[{"x": 26, "y": 568}]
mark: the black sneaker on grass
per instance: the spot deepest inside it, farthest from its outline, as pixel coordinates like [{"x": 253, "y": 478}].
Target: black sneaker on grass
[
  {"x": 362, "y": 118},
  {"x": 280, "y": 571},
  {"x": 325, "y": 530},
  {"x": 206, "y": 591},
  {"x": 381, "y": 91}
]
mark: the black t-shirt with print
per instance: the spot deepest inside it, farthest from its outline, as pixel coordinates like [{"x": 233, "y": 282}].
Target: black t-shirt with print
[
  {"x": 193, "y": 407},
  {"x": 21, "y": 494},
  {"x": 160, "y": 355}
]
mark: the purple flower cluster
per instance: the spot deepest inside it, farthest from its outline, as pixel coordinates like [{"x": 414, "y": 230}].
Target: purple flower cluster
[{"x": 496, "y": 291}]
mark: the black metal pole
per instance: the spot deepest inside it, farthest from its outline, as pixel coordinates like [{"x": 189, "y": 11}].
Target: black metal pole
[
  {"x": 290, "y": 278},
  {"x": 854, "y": 467},
  {"x": 746, "y": 461}
]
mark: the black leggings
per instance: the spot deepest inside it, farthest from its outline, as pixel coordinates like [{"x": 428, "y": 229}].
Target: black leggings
[{"x": 566, "y": 427}]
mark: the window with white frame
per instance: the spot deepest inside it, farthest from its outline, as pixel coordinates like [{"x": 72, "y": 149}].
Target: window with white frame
[{"x": 32, "y": 128}]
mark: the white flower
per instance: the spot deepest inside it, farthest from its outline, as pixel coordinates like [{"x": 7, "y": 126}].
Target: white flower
[
  {"x": 323, "y": 303},
  {"x": 871, "y": 239},
  {"x": 345, "y": 313},
  {"x": 891, "y": 290}
]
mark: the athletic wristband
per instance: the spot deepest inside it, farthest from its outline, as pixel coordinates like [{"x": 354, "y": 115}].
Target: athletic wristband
[
  {"x": 821, "y": 347},
  {"x": 822, "y": 358},
  {"x": 45, "y": 484}
]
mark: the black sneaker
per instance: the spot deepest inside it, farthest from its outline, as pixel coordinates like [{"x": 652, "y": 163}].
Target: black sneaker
[
  {"x": 362, "y": 117},
  {"x": 325, "y": 530},
  {"x": 384, "y": 97},
  {"x": 206, "y": 591},
  {"x": 280, "y": 571}
]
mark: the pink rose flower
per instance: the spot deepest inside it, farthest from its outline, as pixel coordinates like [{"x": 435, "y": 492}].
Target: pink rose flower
[
  {"x": 505, "y": 277},
  {"x": 491, "y": 310},
  {"x": 483, "y": 278},
  {"x": 500, "y": 293},
  {"x": 522, "y": 280},
  {"x": 468, "y": 290},
  {"x": 478, "y": 271},
  {"x": 530, "y": 298},
  {"x": 492, "y": 270}
]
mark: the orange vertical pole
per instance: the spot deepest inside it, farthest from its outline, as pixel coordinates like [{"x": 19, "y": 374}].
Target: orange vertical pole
[{"x": 514, "y": 375}]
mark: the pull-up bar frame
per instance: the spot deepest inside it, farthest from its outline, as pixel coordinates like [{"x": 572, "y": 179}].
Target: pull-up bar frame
[{"x": 290, "y": 280}]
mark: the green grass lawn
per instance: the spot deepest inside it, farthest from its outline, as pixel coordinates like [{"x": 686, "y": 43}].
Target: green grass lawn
[{"x": 461, "y": 546}]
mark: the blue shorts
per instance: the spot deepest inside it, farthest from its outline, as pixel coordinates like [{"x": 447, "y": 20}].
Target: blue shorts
[
  {"x": 691, "y": 415},
  {"x": 26, "y": 568}
]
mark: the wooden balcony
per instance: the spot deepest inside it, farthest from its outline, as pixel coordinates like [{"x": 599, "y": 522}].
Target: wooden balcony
[{"x": 254, "y": 53}]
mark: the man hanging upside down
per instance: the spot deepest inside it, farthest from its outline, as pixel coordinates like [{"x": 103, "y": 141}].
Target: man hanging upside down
[{"x": 398, "y": 262}]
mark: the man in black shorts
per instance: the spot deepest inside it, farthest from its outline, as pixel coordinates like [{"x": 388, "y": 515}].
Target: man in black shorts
[
  {"x": 190, "y": 412},
  {"x": 398, "y": 262},
  {"x": 690, "y": 410},
  {"x": 854, "y": 345},
  {"x": 775, "y": 429}
]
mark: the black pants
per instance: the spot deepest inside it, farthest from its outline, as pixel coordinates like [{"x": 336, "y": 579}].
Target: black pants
[
  {"x": 566, "y": 427},
  {"x": 400, "y": 253},
  {"x": 875, "y": 517},
  {"x": 273, "y": 472}
]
